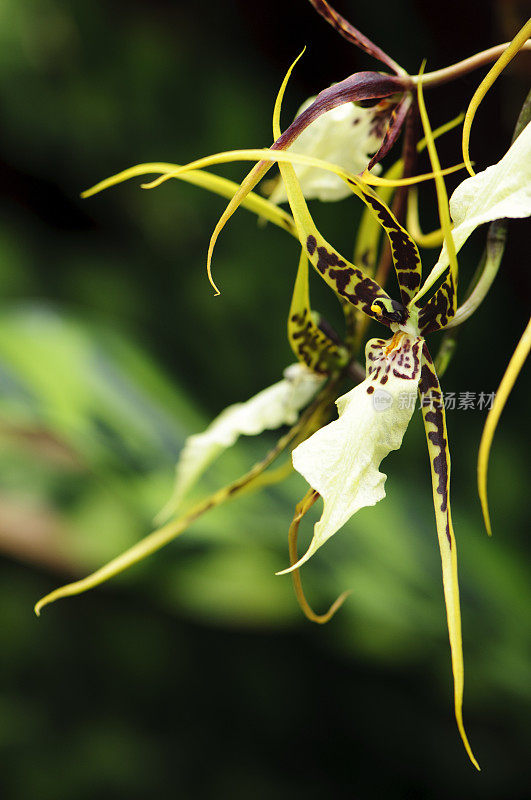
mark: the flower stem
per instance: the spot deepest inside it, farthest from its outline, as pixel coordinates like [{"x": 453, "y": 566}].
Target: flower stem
[{"x": 454, "y": 71}]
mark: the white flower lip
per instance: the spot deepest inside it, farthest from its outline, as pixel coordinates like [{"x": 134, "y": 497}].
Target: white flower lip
[{"x": 341, "y": 460}]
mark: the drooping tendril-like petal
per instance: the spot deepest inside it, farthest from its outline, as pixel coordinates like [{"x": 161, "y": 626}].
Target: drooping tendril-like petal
[
  {"x": 360, "y": 86},
  {"x": 300, "y": 510},
  {"x": 439, "y": 455},
  {"x": 207, "y": 180},
  {"x": 504, "y": 390},
  {"x": 509, "y": 53},
  {"x": 280, "y": 156},
  {"x": 341, "y": 461}
]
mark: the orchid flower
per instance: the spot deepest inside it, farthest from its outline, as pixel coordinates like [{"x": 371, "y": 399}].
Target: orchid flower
[{"x": 341, "y": 459}]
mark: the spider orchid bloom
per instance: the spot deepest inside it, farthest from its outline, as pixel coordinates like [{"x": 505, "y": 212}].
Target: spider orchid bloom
[{"x": 340, "y": 460}]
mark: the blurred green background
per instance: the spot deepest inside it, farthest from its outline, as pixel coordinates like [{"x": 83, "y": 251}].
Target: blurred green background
[{"x": 195, "y": 674}]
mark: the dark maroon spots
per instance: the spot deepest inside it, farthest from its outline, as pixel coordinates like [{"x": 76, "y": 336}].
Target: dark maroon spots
[
  {"x": 341, "y": 278},
  {"x": 311, "y": 244},
  {"x": 370, "y": 389},
  {"x": 440, "y": 309},
  {"x": 427, "y": 380},
  {"x": 409, "y": 280},
  {"x": 435, "y": 416}
]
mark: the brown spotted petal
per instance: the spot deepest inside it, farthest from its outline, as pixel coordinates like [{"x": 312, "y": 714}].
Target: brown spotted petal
[
  {"x": 439, "y": 455},
  {"x": 312, "y": 345},
  {"x": 404, "y": 250},
  {"x": 441, "y": 308},
  {"x": 353, "y": 35},
  {"x": 349, "y": 281}
]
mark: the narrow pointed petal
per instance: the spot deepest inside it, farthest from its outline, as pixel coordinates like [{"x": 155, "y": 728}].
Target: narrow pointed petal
[
  {"x": 511, "y": 374},
  {"x": 207, "y": 180},
  {"x": 353, "y": 35},
  {"x": 439, "y": 455},
  {"x": 311, "y": 345},
  {"x": 442, "y": 306},
  {"x": 271, "y": 408},
  {"x": 406, "y": 258},
  {"x": 517, "y": 43},
  {"x": 341, "y": 461}
]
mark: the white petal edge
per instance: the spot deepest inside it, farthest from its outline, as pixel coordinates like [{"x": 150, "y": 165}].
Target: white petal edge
[
  {"x": 341, "y": 460},
  {"x": 503, "y": 190},
  {"x": 271, "y": 408}
]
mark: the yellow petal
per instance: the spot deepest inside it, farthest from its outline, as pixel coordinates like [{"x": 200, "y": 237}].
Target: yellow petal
[
  {"x": 439, "y": 455},
  {"x": 444, "y": 212},
  {"x": 375, "y": 180},
  {"x": 213, "y": 183},
  {"x": 504, "y": 390},
  {"x": 507, "y": 56},
  {"x": 309, "y": 343}
]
